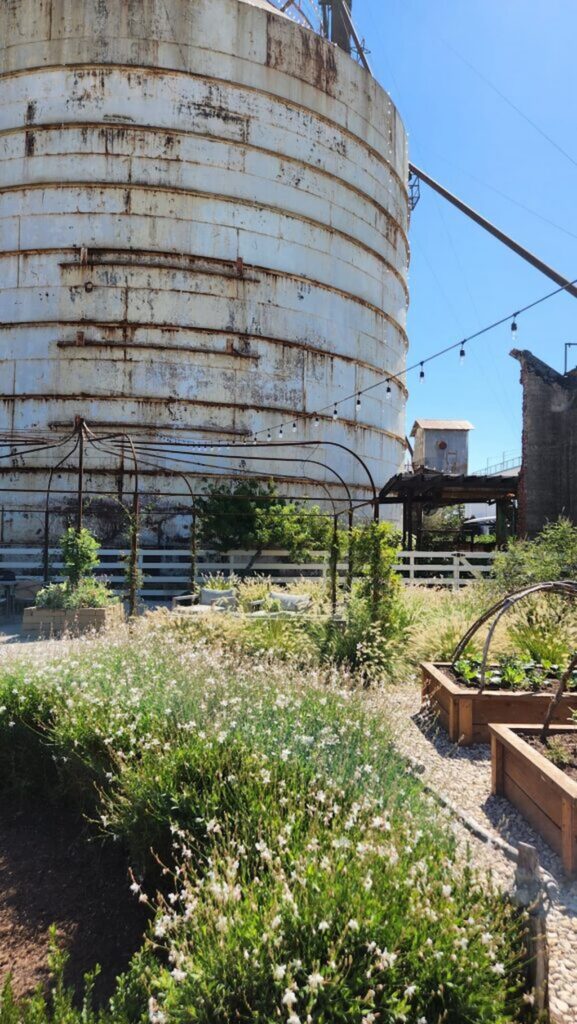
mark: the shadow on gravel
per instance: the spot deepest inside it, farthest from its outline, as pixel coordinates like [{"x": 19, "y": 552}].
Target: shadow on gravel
[{"x": 427, "y": 723}]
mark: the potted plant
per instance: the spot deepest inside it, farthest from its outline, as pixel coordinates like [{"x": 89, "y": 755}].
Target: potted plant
[
  {"x": 82, "y": 602},
  {"x": 469, "y": 693}
]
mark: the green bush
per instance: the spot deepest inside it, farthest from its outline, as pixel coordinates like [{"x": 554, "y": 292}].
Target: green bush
[
  {"x": 311, "y": 878},
  {"x": 551, "y": 556},
  {"x": 80, "y": 556},
  {"x": 88, "y": 593}
]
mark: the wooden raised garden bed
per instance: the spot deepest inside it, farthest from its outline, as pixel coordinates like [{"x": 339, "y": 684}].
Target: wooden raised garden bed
[
  {"x": 465, "y": 713},
  {"x": 544, "y": 794},
  {"x": 53, "y": 622}
]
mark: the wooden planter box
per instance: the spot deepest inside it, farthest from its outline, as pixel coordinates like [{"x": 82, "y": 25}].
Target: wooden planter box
[
  {"x": 53, "y": 622},
  {"x": 466, "y": 714},
  {"x": 544, "y": 794}
]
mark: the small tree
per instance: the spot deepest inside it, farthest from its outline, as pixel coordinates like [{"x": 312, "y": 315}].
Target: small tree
[
  {"x": 249, "y": 515},
  {"x": 79, "y": 554}
]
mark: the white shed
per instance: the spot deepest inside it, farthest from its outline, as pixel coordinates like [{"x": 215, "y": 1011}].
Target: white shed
[{"x": 442, "y": 445}]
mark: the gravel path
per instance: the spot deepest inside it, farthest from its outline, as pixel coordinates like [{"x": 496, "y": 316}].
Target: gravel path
[{"x": 463, "y": 776}]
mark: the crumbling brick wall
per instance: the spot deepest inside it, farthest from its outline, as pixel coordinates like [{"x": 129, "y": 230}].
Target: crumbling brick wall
[{"x": 548, "y": 486}]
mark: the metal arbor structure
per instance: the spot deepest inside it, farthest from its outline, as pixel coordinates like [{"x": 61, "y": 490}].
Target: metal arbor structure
[{"x": 183, "y": 460}]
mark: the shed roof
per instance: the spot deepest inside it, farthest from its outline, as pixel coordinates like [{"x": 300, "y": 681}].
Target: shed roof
[
  {"x": 441, "y": 425},
  {"x": 435, "y": 488}
]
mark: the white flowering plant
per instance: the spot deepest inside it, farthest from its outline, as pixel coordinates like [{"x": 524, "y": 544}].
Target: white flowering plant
[{"x": 303, "y": 874}]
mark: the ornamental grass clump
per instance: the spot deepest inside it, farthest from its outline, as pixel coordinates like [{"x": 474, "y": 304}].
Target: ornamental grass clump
[{"x": 304, "y": 875}]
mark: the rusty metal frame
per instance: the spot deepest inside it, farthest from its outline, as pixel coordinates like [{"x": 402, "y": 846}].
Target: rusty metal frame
[{"x": 22, "y": 444}]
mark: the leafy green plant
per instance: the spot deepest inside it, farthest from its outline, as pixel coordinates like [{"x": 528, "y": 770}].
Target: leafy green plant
[
  {"x": 557, "y": 754},
  {"x": 552, "y": 555},
  {"x": 513, "y": 672},
  {"x": 248, "y": 514},
  {"x": 89, "y": 593},
  {"x": 468, "y": 669},
  {"x": 79, "y": 554}
]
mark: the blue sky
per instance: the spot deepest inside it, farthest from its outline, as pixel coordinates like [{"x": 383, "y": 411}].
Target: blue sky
[{"x": 462, "y": 133}]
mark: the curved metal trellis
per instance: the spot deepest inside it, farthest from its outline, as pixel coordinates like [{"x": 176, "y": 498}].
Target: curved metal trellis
[{"x": 568, "y": 588}]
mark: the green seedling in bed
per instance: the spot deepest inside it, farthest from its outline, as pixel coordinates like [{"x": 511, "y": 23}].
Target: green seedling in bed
[
  {"x": 468, "y": 669},
  {"x": 513, "y": 673},
  {"x": 557, "y": 753}
]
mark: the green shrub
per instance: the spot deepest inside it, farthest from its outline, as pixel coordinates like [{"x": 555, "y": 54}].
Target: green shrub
[
  {"x": 79, "y": 554},
  {"x": 551, "y": 556},
  {"x": 309, "y": 873},
  {"x": 88, "y": 593}
]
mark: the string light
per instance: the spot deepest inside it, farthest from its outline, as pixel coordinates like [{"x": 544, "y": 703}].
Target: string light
[
  {"x": 294, "y": 428},
  {"x": 449, "y": 348},
  {"x": 268, "y": 435},
  {"x": 281, "y": 433},
  {"x": 389, "y": 391}
]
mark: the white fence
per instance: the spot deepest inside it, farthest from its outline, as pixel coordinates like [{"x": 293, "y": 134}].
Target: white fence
[
  {"x": 166, "y": 572},
  {"x": 444, "y": 568}
]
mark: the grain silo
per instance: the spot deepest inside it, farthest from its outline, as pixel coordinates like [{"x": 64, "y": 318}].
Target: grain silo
[{"x": 203, "y": 232}]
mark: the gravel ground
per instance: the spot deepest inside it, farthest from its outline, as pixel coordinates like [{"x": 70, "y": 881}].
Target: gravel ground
[{"x": 462, "y": 775}]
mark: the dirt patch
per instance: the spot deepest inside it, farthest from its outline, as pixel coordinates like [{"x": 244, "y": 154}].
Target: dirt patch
[
  {"x": 560, "y": 750},
  {"x": 51, "y": 874}
]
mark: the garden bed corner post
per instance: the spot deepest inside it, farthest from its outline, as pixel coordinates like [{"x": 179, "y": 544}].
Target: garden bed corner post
[{"x": 528, "y": 895}]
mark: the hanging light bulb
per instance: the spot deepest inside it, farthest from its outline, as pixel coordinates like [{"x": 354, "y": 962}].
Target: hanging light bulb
[
  {"x": 335, "y": 413},
  {"x": 254, "y": 440},
  {"x": 359, "y": 400},
  {"x": 268, "y": 435},
  {"x": 389, "y": 391},
  {"x": 317, "y": 420},
  {"x": 422, "y": 372},
  {"x": 462, "y": 352},
  {"x": 294, "y": 428},
  {"x": 281, "y": 433},
  {"x": 514, "y": 324}
]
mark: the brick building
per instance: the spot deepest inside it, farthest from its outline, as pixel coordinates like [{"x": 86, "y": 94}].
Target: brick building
[{"x": 548, "y": 486}]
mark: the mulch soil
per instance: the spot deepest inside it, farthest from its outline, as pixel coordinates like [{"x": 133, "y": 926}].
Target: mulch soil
[
  {"x": 51, "y": 874},
  {"x": 558, "y": 743}
]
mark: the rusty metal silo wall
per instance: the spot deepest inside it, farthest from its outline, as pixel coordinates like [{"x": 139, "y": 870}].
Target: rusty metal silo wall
[{"x": 203, "y": 230}]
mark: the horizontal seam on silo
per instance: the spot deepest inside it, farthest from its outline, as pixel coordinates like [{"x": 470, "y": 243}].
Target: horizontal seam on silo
[
  {"x": 287, "y": 275},
  {"x": 172, "y": 400},
  {"x": 149, "y": 69},
  {"x": 159, "y": 130},
  {"x": 133, "y": 325},
  {"x": 211, "y": 196}
]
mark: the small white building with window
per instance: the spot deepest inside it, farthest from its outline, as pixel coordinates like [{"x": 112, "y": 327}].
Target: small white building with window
[{"x": 442, "y": 445}]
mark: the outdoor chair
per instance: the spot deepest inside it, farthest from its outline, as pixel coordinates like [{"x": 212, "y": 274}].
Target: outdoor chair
[
  {"x": 286, "y": 603},
  {"x": 25, "y": 592},
  {"x": 206, "y": 600}
]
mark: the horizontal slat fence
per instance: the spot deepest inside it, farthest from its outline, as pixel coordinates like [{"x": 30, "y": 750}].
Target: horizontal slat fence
[{"x": 167, "y": 572}]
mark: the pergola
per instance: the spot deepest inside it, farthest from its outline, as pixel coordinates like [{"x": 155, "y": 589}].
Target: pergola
[{"x": 428, "y": 490}]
